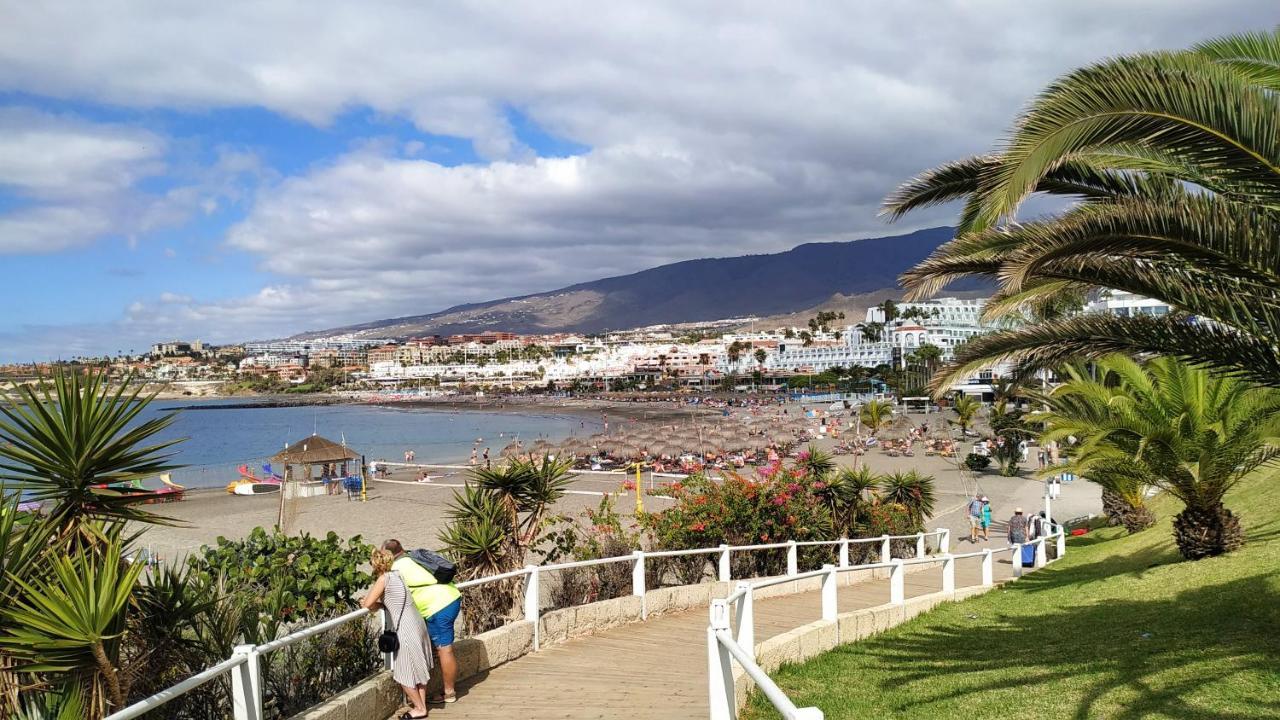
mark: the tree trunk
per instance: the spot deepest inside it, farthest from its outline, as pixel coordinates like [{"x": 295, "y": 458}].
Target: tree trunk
[
  {"x": 1202, "y": 532},
  {"x": 109, "y": 673},
  {"x": 1114, "y": 507}
]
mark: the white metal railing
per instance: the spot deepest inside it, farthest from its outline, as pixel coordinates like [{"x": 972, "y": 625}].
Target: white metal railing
[
  {"x": 245, "y": 665},
  {"x": 729, "y": 641}
]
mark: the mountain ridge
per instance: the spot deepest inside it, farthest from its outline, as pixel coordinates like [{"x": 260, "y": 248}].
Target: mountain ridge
[{"x": 697, "y": 290}]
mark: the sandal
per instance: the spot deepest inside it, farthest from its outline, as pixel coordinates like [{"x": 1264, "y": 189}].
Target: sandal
[
  {"x": 408, "y": 715},
  {"x": 443, "y": 699}
]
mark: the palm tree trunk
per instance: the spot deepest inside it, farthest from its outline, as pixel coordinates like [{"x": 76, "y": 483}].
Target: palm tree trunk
[{"x": 1207, "y": 531}]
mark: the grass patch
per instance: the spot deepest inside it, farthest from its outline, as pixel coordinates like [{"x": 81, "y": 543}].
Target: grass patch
[{"x": 1121, "y": 627}]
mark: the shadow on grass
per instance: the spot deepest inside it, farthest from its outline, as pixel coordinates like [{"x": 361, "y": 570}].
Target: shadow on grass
[{"x": 1154, "y": 652}]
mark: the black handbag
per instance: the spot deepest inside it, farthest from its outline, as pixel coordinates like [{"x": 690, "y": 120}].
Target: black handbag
[{"x": 389, "y": 641}]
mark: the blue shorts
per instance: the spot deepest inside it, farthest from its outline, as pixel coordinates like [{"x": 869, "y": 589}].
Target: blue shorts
[{"x": 440, "y": 625}]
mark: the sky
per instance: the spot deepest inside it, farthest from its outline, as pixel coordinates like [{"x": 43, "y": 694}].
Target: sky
[{"x": 244, "y": 170}]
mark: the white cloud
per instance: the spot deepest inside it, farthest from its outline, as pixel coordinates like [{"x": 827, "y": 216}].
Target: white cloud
[{"x": 713, "y": 130}]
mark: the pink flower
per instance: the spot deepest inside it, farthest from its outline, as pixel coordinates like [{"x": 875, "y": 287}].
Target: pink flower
[
  {"x": 793, "y": 488},
  {"x": 819, "y": 485},
  {"x": 780, "y": 500},
  {"x": 698, "y": 527}
]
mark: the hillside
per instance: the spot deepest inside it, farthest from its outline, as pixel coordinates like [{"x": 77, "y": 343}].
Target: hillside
[
  {"x": 777, "y": 284},
  {"x": 1121, "y": 627}
]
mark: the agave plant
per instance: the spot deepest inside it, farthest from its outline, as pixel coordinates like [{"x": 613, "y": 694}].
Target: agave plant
[
  {"x": 1175, "y": 161},
  {"x": 1181, "y": 428},
  {"x": 63, "y": 442}
]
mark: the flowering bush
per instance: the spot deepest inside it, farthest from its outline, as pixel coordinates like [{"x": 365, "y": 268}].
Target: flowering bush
[{"x": 777, "y": 505}]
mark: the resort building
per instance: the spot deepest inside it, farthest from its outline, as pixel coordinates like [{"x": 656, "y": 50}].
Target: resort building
[{"x": 1126, "y": 304}]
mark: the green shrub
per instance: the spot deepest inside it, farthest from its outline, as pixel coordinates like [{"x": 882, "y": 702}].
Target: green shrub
[{"x": 976, "y": 462}]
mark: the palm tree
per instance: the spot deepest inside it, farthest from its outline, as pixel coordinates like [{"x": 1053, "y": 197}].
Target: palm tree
[
  {"x": 61, "y": 442},
  {"x": 875, "y": 414},
  {"x": 1184, "y": 429},
  {"x": 760, "y": 356},
  {"x": 890, "y": 310},
  {"x": 966, "y": 408},
  {"x": 911, "y": 490},
  {"x": 1175, "y": 158}
]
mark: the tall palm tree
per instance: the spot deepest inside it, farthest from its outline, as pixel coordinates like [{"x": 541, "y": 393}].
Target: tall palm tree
[
  {"x": 875, "y": 414},
  {"x": 966, "y": 408},
  {"x": 1186, "y": 430},
  {"x": 63, "y": 440},
  {"x": 1175, "y": 158}
]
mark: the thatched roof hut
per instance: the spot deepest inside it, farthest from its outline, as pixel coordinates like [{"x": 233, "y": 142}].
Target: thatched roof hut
[{"x": 314, "y": 450}]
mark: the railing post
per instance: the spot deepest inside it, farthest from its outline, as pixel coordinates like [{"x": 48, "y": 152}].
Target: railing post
[
  {"x": 531, "y": 603},
  {"x": 1062, "y": 542},
  {"x": 809, "y": 713},
  {"x": 747, "y": 620},
  {"x": 1042, "y": 552},
  {"x": 793, "y": 563},
  {"x": 246, "y": 685},
  {"x": 637, "y": 580},
  {"x": 720, "y": 666},
  {"x": 988, "y": 568},
  {"x": 844, "y": 553},
  {"x": 726, "y": 571},
  {"x": 948, "y": 573},
  {"x": 1017, "y": 559},
  {"x": 829, "y": 593},
  {"x": 886, "y": 550},
  {"x": 388, "y": 659},
  {"x": 919, "y": 545},
  {"x": 897, "y": 590},
  {"x": 944, "y": 541}
]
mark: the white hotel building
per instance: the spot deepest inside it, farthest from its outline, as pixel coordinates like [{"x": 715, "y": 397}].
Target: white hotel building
[{"x": 948, "y": 323}]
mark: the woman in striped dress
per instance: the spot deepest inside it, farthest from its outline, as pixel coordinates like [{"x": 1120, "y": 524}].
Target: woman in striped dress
[{"x": 411, "y": 665}]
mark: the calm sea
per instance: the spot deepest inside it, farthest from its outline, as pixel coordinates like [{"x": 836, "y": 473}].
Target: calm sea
[{"x": 221, "y": 439}]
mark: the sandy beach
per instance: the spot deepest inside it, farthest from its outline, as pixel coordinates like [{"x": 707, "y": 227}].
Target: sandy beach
[{"x": 414, "y": 512}]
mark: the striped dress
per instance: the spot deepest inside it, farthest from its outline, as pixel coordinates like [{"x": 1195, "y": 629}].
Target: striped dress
[{"x": 413, "y": 662}]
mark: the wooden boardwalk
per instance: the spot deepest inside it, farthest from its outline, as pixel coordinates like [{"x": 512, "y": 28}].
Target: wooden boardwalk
[{"x": 657, "y": 669}]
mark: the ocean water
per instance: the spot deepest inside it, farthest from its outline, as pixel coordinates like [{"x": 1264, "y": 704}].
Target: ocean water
[{"x": 219, "y": 440}]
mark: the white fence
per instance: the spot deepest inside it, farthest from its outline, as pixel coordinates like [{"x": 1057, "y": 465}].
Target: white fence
[
  {"x": 244, "y": 665},
  {"x": 734, "y": 641}
]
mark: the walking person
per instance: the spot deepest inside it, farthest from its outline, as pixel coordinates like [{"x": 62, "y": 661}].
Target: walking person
[
  {"x": 487, "y": 465},
  {"x": 439, "y": 604},
  {"x": 975, "y": 517},
  {"x": 986, "y": 518},
  {"x": 412, "y": 663},
  {"x": 1017, "y": 527}
]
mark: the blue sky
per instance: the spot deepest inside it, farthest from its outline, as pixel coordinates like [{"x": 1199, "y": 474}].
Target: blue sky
[{"x": 240, "y": 170}]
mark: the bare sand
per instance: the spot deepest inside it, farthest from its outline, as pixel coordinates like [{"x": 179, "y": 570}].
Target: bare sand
[{"x": 414, "y": 512}]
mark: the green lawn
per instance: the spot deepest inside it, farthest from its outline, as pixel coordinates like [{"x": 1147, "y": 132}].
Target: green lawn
[{"x": 1119, "y": 628}]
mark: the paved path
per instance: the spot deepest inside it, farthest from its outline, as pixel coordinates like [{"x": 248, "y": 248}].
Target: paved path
[{"x": 657, "y": 670}]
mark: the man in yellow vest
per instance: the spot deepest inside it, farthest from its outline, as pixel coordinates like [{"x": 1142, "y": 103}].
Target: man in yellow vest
[{"x": 439, "y": 604}]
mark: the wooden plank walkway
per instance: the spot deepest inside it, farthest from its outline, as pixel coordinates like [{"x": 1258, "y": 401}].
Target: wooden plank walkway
[{"x": 657, "y": 670}]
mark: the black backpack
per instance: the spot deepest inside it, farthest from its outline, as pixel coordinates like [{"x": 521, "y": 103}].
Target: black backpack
[{"x": 440, "y": 567}]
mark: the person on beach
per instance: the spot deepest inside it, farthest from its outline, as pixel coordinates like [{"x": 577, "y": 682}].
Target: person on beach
[
  {"x": 975, "y": 517},
  {"x": 439, "y": 604},
  {"x": 473, "y": 457},
  {"x": 1017, "y": 527},
  {"x": 413, "y": 661},
  {"x": 986, "y": 518},
  {"x": 487, "y": 465}
]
